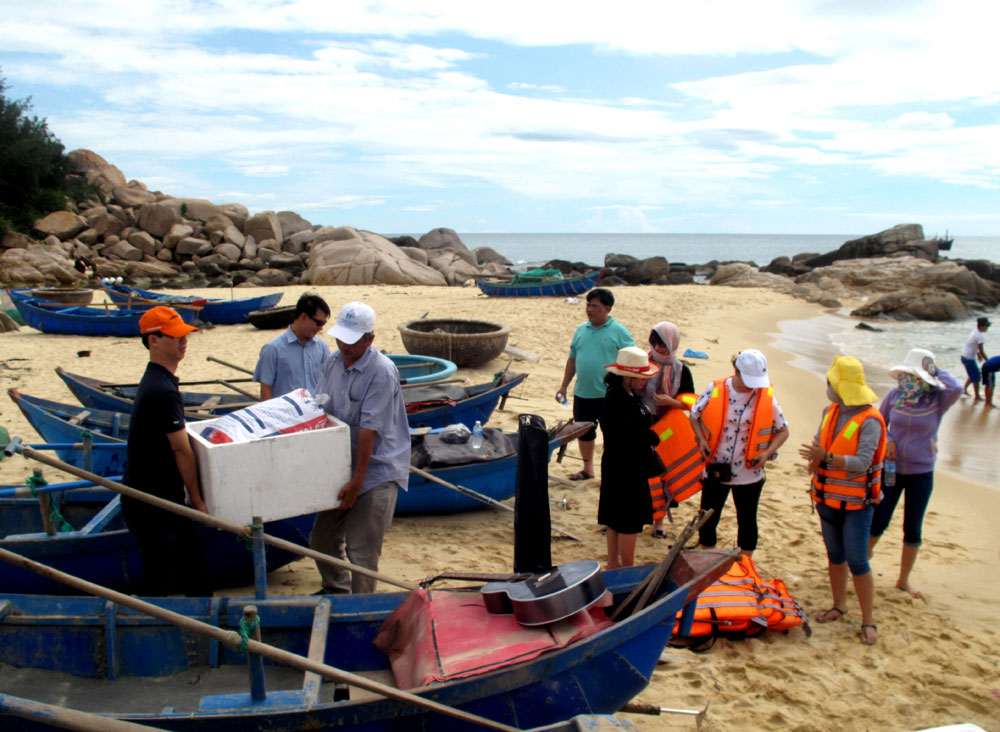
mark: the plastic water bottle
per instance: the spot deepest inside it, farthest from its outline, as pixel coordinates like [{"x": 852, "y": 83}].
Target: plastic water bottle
[
  {"x": 477, "y": 435},
  {"x": 563, "y": 400},
  {"x": 890, "y": 473}
]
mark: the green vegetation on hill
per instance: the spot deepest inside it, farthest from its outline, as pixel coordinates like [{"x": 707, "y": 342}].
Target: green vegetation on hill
[{"x": 33, "y": 168}]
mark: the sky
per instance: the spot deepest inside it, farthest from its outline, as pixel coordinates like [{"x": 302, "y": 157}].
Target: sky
[{"x": 729, "y": 116}]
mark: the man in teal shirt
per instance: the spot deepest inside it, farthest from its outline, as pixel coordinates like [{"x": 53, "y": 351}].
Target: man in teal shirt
[{"x": 595, "y": 344}]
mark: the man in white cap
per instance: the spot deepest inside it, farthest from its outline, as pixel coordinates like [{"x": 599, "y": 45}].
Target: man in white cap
[{"x": 364, "y": 391}]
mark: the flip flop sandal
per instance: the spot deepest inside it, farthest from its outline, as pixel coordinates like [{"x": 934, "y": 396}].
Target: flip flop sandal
[
  {"x": 659, "y": 534},
  {"x": 865, "y": 636},
  {"x": 582, "y": 475},
  {"x": 824, "y": 617}
]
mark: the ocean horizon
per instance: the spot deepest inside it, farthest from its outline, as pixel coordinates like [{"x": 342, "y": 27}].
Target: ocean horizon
[{"x": 528, "y": 249}]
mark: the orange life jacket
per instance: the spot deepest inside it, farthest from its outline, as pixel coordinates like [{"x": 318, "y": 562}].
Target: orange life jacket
[
  {"x": 679, "y": 451},
  {"x": 761, "y": 424},
  {"x": 731, "y": 605},
  {"x": 842, "y": 488},
  {"x": 780, "y": 608}
]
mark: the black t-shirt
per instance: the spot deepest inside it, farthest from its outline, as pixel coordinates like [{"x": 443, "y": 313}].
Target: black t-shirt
[{"x": 158, "y": 411}]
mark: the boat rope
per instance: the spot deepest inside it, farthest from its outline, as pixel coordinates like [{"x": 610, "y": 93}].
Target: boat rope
[
  {"x": 245, "y": 630},
  {"x": 34, "y": 482},
  {"x": 248, "y": 540}
]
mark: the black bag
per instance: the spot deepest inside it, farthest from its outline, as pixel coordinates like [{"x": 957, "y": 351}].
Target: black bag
[
  {"x": 719, "y": 472},
  {"x": 656, "y": 466}
]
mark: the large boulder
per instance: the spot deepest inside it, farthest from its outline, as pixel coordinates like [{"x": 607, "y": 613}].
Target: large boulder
[
  {"x": 441, "y": 238},
  {"x": 15, "y": 240},
  {"x": 196, "y": 209},
  {"x": 486, "y": 255},
  {"x": 150, "y": 269},
  {"x": 132, "y": 195},
  {"x": 455, "y": 267},
  {"x": 365, "y": 258},
  {"x": 899, "y": 240},
  {"x": 237, "y": 213},
  {"x": 62, "y": 224},
  {"x": 646, "y": 271},
  {"x": 38, "y": 264},
  {"x": 96, "y": 171},
  {"x": 264, "y": 225},
  {"x": 292, "y": 223},
  {"x": 158, "y": 219},
  {"x": 142, "y": 241},
  {"x": 914, "y": 304}
]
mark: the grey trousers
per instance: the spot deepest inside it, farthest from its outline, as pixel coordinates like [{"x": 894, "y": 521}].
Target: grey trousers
[{"x": 354, "y": 534}]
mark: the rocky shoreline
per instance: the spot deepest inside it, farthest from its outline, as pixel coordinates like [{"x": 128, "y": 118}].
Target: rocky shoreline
[{"x": 151, "y": 239}]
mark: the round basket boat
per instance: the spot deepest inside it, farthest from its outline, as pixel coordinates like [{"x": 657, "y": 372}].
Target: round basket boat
[
  {"x": 67, "y": 295},
  {"x": 468, "y": 343}
]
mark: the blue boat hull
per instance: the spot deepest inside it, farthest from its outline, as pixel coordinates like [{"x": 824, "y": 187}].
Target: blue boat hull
[
  {"x": 215, "y": 310},
  {"x": 553, "y": 288},
  {"x": 78, "y": 319},
  {"x": 484, "y": 400},
  {"x": 79, "y": 636},
  {"x": 109, "y": 555}
]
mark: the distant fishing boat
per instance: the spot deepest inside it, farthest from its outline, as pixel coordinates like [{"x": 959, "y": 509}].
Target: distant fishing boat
[
  {"x": 539, "y": 286},
  {"x": 217, "y": 311}
]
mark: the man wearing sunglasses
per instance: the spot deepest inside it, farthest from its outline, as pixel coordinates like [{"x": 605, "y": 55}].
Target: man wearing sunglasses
[{"x": 294, "y": 359}]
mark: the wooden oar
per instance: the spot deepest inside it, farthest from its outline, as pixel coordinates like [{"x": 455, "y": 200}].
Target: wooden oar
[
  {"x": 204, "y": 382},
  {"x": 478, "y": 496},
  {"x": 233, "y": 640},
  {"x": 637, "y": 707},
  {"x": 244, "y": 392},
  {"x": 67, "y": 718},
  {"x": 16, "y": 446},
  {"x": 404, "y": 385}
]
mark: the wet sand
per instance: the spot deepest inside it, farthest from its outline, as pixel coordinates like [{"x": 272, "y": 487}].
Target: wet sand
[{"x": 937, "y": 659}]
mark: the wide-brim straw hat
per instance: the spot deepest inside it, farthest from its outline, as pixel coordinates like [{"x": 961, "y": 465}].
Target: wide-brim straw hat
[
  {"x": 921, "y": 363},
  {"x": 847, "y": 377},
  {"x": 633, "y": 362}
]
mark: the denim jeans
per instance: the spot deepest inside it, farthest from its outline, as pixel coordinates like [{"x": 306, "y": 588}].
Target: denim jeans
[
  {"x": 845, "y": 534},
  {"x": 918, "y": 488}
]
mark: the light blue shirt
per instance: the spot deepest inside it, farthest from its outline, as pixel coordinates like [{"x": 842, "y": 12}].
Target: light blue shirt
[
  {"x": 594, "y": 348},
  {"x": 368, "y": 395},
  {"x": 285, "y": 364}
]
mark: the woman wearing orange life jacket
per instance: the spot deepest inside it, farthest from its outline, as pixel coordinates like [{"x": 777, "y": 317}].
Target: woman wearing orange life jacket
[
  {"x": 739, "y": 426},
  {"x": 845, "y": 459},
  {"x": 659, "y": 394}
]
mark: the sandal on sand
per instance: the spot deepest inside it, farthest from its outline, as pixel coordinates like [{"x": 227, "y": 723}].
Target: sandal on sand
[
  {"x": 582, "y": 475},
  {"x": 824, "y": 617},
  {"x": 659, "y": 534},
  {"x": 869, "y": 634}
]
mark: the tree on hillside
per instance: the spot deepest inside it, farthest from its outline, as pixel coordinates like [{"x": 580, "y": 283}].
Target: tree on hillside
[{"x": 32, "y": 166}]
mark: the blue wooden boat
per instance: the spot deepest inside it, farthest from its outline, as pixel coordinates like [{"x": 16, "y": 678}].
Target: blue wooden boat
[
  {"x": 62, "y": 428},
  {"x": 218, "y": 311},
  {"x": 421, "y": 369},
  {"x": 546, "y": 287},
  {"x": 62, "y": 319},
  {"x": 101, "y": 549},
  {"x": 98, "y": 656},
  {"x": 429, "y": 405}
]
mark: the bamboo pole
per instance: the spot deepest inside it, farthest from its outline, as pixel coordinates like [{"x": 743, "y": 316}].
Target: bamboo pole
[
  {"x": 203, "y": 518},
  {"x": 233, "y": 640},
  {"x": 478, "y": 496},
  {"x": 67, "y": 718},
  {"x": 230, "y": 365}
]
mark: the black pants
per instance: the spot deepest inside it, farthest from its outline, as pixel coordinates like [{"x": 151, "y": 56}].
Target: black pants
[
  {"x": 173, "y": 557},
  {"x": 746, "y": 498}
]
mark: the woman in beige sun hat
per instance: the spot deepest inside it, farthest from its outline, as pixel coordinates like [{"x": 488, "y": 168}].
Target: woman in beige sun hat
[
  {"x": 845, "y": 459},
  {"x": 625, "y": 505}
]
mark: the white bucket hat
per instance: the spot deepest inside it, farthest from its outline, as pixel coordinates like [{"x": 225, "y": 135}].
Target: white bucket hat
[
  {"x": 633, "y": 362},
  {"x": 753, "y": 369},
  {"x": 921, "y": 363}
]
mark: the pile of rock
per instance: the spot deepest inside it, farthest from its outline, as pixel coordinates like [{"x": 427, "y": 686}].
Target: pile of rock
[{"x": 147, "y": 237}]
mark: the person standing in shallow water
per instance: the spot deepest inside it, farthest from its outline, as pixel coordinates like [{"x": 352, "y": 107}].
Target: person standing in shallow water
[
  {"x": 972, "y": 353},
  {"x": 595, "y": 344},
  {"x": 913, "y": 411}
]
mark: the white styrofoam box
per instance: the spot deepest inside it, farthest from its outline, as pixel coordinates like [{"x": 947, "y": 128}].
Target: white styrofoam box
[{"x": 273, "y": 477}]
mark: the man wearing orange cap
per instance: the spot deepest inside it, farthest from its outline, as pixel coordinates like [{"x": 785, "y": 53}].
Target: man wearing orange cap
[{"x": 162, "y": 463}]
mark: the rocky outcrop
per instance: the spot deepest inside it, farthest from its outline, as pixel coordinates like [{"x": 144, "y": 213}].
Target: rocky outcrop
[
  {"x": 352, "y": 257},
  {"x": 901, "y": 240},
  {"x": 914, "y": 304},
  {"x": 38, "y": 264}
]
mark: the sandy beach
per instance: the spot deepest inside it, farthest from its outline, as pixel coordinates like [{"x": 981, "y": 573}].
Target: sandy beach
[{"x": 937, "y": 661}]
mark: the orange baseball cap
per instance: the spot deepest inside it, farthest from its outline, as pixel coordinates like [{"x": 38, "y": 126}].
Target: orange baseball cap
[{"x": 162, "y": 319}]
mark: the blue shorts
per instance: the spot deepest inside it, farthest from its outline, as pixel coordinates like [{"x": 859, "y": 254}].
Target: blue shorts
[
  {"x": 990, "y": 368},
  {"x": 972, "y": 369}
]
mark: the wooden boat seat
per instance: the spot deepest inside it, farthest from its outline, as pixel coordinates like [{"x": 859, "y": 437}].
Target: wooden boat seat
[
  {"x": 79, "y": 417},
  {"x": 210, "y": 403}
]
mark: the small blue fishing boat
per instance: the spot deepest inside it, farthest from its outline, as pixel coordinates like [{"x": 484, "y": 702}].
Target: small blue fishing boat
[
  {"x": 421, "y": 369},
  {"x": 63, "y": 319},
  {"x": 429, "y": 405},
  {"x": 99, "y": 548},
  {"x": 217, "y": 311},
  {"x": 101, "y": 656},
  {"x": 522, "y": 286}
]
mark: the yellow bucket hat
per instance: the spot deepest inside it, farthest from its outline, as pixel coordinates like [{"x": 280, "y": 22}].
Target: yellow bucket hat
[{"x": 847, "y": 377}]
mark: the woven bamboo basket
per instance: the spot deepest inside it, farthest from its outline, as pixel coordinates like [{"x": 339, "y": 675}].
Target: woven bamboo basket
[
  {"x": 468, "y": 343},
  {"x": 68, "y": 295}
]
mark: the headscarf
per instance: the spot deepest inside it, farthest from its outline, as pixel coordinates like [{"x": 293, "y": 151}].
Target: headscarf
[
  {"x": 670, "y": 366},
  {"x": 911, "y": 388}
]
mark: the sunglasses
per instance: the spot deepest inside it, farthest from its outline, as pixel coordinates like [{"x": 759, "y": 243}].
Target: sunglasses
[{"x": 319, "y": 323}]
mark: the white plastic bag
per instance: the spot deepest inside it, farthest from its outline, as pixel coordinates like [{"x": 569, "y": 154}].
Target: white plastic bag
[{"x": 296, "y": 411}]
